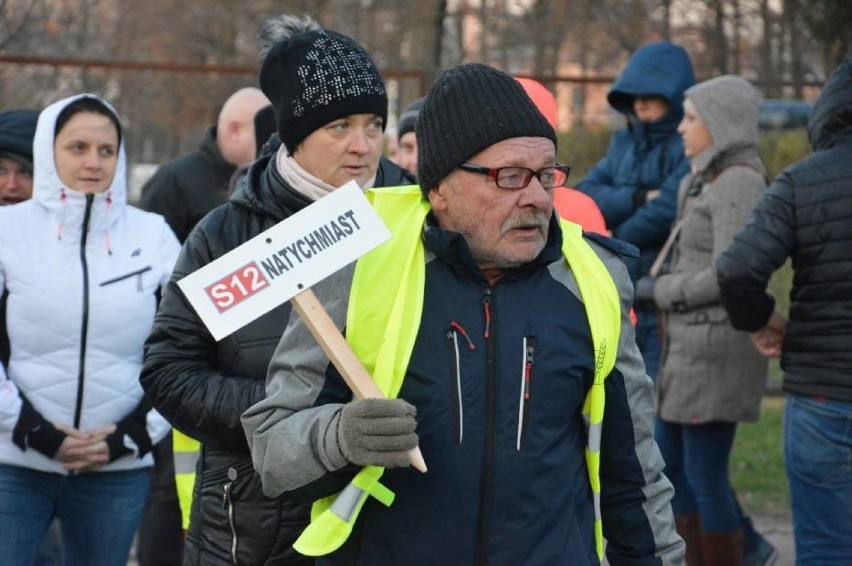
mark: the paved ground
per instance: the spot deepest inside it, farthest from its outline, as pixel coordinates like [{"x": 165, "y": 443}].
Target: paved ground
[{"x": 779, "y": 531}]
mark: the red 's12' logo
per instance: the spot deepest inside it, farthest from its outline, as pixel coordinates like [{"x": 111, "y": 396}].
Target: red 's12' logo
[{"x": 236, "y": 287}]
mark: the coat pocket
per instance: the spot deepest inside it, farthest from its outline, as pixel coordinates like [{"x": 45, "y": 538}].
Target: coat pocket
[
  {"x": 457, "y": 337},
  {"x": 137, "y": 273},
  {"x": 526, "y": 379},
  {"x": 239, "y": 523}
]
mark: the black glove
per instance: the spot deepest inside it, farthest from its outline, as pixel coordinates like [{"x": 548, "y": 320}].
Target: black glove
[
  {"x": 377, "y": 432},
  {"x": 643, "y": 295},
  {"x": 32, "y": 430},
  {"x": 133, "y": 425}
]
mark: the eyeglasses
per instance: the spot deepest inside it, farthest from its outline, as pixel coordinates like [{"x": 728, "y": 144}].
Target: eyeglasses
[{"x": 520, "y": 177}]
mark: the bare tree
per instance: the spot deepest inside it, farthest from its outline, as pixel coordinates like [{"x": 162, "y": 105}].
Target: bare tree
[{"x": 830, "y": 24}]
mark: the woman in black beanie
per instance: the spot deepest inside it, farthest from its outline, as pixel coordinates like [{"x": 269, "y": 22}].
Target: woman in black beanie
[{"x": 330, "y": 109}]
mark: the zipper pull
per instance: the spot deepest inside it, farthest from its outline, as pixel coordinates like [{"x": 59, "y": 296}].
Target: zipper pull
[
  {"x": 226, "y": 488},
  {"x": 226, "y": 494},
  {"x": 529, "y": 361},
  {"x": 486, "y": 305},
  {"x": 455, "y": 326}
]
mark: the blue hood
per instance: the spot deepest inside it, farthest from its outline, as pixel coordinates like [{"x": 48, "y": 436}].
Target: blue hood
[{"x": 656, "y": 69}]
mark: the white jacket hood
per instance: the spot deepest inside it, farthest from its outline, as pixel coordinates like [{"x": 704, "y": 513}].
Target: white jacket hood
[{"x": 67, "y": 205}]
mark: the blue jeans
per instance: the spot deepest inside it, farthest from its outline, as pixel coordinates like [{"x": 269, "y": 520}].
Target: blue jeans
[
  {"x": 98, "y": 512},
  {"x": 818, "y": 454},
  {"x": 696, "y": 459},
  {"x": 648, "y": 340}
]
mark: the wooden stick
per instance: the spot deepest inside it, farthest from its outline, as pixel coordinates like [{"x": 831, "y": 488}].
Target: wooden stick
[{"x": 340, "y": 353}]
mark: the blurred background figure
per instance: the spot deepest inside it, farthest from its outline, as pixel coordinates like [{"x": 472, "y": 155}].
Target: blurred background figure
[
  {"x": 406, "y": 152},
  {"x": 806, "y": 215},
  {"x": 635, "y": 184},
  {"x": 17, "y": 128},
  {"x": 75, "y": 428},
  {"x": 186, "y": 189},
  {"x": 571, "y": 204},
  {"x": 711, "y": 377}
]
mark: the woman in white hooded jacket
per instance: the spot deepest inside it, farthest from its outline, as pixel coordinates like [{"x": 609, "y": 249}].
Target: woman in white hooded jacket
[{"x": 81, "y": 271}]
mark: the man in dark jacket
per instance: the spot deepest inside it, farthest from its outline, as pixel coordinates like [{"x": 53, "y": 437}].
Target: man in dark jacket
[
  {"x": 635, "y": 184},
  {"x": 493, "y": 288},
  {"x": 202, "y": 386},
  {"x": 806, "y": 215},
  {"x": 189, "y": 187}
]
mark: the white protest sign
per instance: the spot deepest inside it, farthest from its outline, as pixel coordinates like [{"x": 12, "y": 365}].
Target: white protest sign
[{"x": 290, "y": 257}]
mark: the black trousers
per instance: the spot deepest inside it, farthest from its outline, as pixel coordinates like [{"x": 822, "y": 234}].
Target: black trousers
[{"x": 160, "y": 541}]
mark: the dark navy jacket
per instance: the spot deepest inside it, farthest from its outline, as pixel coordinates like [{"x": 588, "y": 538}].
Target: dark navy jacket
[
  {"x": 643, "y": 156},
  {"x": 507, "y": 480}
]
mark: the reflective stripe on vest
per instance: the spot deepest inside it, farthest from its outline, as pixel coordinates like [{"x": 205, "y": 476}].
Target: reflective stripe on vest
[
  {"x": 397, "y": 269},
  {"x": 186, "y": 452}
]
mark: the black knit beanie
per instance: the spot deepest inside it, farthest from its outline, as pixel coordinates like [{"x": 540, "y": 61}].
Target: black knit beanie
[
  {"x": 316, "y": 77},
  {"x": 17, "y": 129},
  {"x": 469, "y": 108},
  {"x": 408, "y": 118}
]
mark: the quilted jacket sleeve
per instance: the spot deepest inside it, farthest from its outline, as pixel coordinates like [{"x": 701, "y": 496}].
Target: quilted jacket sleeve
[{"x": 180, "y": 373}]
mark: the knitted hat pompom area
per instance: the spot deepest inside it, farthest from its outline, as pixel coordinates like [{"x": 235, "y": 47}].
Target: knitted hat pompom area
[
  {"x": 469, "y": 108},
  {"x": 316, "y": 77}
]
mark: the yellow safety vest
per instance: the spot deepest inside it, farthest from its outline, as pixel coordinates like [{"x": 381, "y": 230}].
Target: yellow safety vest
[
  {"x": 397, "y": 269},
  {"x": 186, "y": 453}
]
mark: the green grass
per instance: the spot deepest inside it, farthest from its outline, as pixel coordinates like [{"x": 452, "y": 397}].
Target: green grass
[{"x": 757, "y": 464}]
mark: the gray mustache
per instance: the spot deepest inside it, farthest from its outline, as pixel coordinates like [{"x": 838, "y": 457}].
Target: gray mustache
[{"x": 527, "y": 220}]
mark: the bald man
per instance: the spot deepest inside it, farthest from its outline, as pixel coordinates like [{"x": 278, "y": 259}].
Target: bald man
[{"x": 186, "y": 189}]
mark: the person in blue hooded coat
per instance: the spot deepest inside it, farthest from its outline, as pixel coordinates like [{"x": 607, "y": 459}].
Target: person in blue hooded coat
[{"x": 635, "y": 184}]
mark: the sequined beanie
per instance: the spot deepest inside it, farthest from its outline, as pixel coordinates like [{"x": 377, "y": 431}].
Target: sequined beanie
[
  {"x": 316, "y": 77},
  {"x": 469, "y": 108}
]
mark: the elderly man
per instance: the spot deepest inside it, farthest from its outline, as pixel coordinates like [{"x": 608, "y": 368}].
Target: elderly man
[{"x": 497, "y": 332}]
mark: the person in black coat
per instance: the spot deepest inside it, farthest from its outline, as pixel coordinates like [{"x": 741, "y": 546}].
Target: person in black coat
[
  {"x": 203, "y": 386},
  {"x": 806, "y": 215},
  {"x": 186, "y": 189}
]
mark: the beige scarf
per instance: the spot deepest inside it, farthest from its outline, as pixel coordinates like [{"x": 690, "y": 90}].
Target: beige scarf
[{"x": 295, "y": 175}]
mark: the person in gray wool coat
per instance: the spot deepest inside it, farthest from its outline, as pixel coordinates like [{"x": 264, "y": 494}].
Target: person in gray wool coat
[{"x": 712, "y": 377}]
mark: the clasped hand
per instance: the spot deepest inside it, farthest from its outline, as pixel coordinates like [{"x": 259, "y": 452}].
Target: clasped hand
[{"x": 84, "y": 451}]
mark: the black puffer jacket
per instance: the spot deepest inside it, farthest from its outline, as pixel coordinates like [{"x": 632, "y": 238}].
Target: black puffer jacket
[
  {"x": 202, "y": 386},
  {"x": 805, "y": 215},
  {"x": 186, "y": 189}
]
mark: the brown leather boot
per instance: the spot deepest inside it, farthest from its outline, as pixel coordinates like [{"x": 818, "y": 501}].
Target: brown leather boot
[
  {"x": 689, "y": 529},
  {"x": 722, "y": 549}
]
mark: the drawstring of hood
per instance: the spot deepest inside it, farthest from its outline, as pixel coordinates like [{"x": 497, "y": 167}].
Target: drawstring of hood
[
  {"x": 106, "y": 231},
  {"x": 60, "y": 226}
]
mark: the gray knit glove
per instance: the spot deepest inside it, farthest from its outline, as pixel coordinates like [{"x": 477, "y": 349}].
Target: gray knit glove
[{"x": 377, "y": 432}]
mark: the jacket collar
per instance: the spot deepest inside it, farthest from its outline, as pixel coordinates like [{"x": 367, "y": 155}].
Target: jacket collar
[{"x": 451, "y": 248}]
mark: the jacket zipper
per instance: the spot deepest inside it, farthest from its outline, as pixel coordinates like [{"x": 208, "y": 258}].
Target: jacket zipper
[
  {"x": 138, "y": 272},
  {"x": 490, "y": 430},
  {"x": 526, "y": 386},
  {"x": 84, "y": 331},
  {"x": 455, "y": 375},
  {"x": 228, "y": 504}
]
